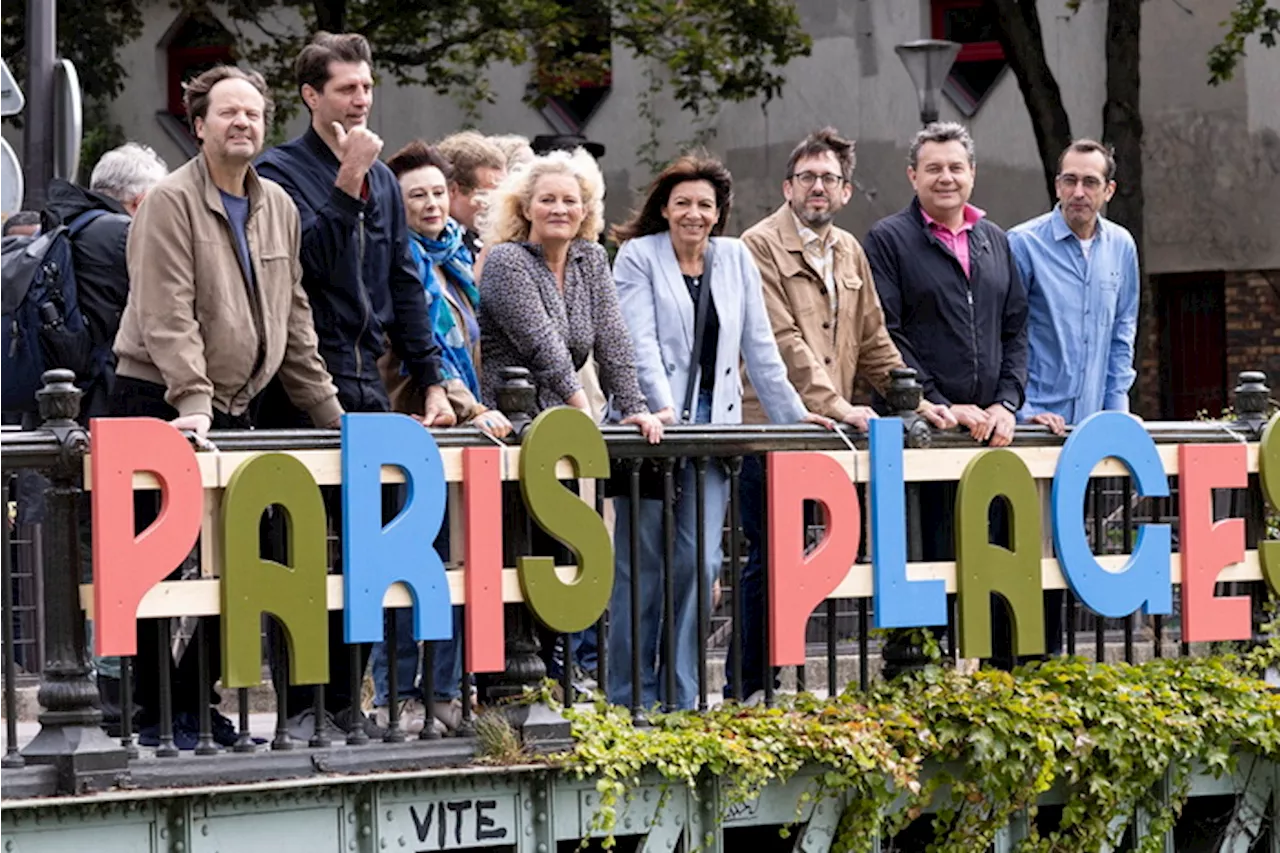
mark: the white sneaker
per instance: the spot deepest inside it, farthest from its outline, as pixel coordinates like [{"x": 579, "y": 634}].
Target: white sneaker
[{"x": 412, "y": 715}]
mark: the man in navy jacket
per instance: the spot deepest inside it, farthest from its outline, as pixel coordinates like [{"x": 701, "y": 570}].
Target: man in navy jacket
[
  {"x": 357, "y": 269},
  {"x": 957, "y": 310},
  {"x": 364, "y": 291}
]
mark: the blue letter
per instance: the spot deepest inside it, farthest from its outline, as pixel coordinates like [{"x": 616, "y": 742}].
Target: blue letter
[
  {"x": 373, "y": 556},
  {"x": 1145, "y": 581},
  {"x": 898, "y": 602}
]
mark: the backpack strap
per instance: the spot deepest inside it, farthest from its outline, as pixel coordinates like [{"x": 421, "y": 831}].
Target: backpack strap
[{"x": 75, "y": 226}]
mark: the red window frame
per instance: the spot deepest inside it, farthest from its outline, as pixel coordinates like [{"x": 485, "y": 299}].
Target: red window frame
[
  {"x": 978, "y": 51},
  {"x": 182, "y": 58}
]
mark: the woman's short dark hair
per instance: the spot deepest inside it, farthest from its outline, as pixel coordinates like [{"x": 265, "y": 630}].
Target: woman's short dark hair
[
  {"x": 312, "y": 64},
  {"x": 195, "y": 92},
  {"x": 693, "y": 166},
  {"x": 418, "y": 155}
]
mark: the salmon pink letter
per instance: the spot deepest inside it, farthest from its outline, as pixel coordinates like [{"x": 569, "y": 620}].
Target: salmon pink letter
[
  {"x": 482, "y": 501},
  {"x": 1208, "y": 547},
  {"x": 797, "y": 583},
  {"x": 126, "y": 566}
]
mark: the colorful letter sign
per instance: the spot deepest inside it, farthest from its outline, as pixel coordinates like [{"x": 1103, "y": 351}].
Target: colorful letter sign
[
  {"x": 899, "y": 603},
  {"x": 1208, "y": 547},
  {"x": 126, "y": 566},
  {"x": 374, "y": 556},
  {"x": 1269, "y": 474},
  {"x": 982, "y": 568},
  {"x": 1145, "y": 581},
  {"x": 797, "y": 583}
]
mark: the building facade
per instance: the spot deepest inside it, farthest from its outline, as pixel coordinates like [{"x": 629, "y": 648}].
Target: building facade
[{"x": 1211, "y": 170}]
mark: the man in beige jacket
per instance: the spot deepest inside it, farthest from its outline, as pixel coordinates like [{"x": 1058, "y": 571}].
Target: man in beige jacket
[
  {"x": 216, "y": 309},
  {"x": 829, "y": 327}
]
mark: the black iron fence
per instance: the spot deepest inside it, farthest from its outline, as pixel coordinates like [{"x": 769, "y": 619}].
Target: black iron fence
[{"x": 45, "y": 626}]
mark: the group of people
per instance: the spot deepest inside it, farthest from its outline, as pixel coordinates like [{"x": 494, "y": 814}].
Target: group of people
[{"x": 291, "y": 286}]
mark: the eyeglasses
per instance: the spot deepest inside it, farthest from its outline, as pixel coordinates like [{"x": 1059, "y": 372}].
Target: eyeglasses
[
  {"x": 1092, "y": 183},
  {"x": 808, "y": 179}
]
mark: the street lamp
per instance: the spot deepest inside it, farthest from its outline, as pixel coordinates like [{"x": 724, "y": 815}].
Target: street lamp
[{"x": 928, "y": 62}]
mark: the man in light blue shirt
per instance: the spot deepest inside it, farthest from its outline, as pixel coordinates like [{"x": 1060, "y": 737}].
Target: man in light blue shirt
[{"x": 1081, "y": 274}]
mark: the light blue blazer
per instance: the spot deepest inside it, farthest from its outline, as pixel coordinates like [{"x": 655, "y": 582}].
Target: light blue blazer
[{"x": 660, "y": 314}]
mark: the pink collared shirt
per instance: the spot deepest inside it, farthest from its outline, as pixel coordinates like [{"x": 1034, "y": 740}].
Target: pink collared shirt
[{"x": 956, "y": 241}]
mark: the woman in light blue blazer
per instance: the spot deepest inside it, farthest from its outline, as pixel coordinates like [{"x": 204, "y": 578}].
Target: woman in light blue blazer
[{"x": 669, "y": 249}]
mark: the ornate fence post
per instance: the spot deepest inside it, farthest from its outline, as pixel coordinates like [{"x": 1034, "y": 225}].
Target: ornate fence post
[
  {"x": 536, "y": 722},
  {"x": 1251, "y": 398},
  {"x": 903, "y": 649},
  {"x": 71, "y": 737}
]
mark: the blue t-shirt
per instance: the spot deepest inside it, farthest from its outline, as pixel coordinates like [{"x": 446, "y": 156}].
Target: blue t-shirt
[{"x": 237, "y": 208}]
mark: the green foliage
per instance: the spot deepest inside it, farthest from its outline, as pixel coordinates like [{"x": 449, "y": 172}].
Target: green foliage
[
  {"x": 101, "y": 134},
  {"x": 1247, "y": 18},
  {"x": 88, "y": 34},
  {"x": 711, "y": 50},
  {"x": 973, "y": 749}
]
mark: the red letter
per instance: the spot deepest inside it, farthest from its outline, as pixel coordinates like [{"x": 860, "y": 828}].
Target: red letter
[
  {"x": 125, "y": 566},
  {"x": 1208, "y": 547},
  {"x": 482, "y": 503},
  {"x": 796, "y": 582}
]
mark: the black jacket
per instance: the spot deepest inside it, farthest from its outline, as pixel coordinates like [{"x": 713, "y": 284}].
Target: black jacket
[
  {"x": 357, "y": 269},
  {"x": 965, "y": 337},
  {"x": 102, "y": 280}
]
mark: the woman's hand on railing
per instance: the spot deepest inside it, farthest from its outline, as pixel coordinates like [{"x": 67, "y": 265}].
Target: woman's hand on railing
[
  {"x": 492, "y": 422},
  {"x": 667, "y": 415},
  {"x": 650, "y": 425},
  {"x": 438, "y": 411}
]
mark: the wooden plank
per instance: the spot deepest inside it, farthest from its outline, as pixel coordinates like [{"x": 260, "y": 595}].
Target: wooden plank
[{"x": 200, "y": 597}]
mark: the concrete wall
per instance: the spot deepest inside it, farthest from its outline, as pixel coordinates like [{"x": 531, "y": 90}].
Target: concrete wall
[{"x": 1212, "y": 154}]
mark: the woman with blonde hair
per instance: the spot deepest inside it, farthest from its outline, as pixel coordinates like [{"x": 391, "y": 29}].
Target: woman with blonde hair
[{"x": 548, "y": 303}]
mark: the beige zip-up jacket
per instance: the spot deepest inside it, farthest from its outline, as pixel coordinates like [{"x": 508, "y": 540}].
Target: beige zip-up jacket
[{"x": 196, "y": 325}]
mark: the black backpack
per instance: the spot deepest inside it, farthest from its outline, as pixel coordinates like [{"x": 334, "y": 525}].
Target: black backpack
[{"x": 43, "y": 327}]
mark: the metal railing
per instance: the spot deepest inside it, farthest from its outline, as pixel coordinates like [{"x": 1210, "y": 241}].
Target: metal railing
[{"x": 839, "y": 632}]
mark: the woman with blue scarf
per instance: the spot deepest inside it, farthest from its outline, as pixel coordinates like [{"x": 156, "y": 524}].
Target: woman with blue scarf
[{"x": 445, "y": 269}]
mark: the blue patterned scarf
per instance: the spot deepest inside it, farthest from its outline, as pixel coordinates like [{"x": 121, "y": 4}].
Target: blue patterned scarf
[{"x": 450, "y": 254}]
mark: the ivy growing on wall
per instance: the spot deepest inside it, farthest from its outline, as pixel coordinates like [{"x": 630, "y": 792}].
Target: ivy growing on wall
[{"x": 973, "y": 749}]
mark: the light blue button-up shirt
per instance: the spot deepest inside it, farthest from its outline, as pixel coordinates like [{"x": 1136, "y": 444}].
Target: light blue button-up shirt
[{"x": 1082, "y": 316}]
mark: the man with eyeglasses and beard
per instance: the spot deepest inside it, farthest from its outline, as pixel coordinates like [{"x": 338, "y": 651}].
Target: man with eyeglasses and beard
[{"x": 829, "y": 327}]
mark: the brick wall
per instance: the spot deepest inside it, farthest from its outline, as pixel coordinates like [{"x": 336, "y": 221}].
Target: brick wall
[{"x": 1253, "y": 325}]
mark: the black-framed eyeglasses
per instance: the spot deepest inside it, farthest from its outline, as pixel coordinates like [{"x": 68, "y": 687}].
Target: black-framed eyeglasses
[
  {"x": 1092, "y": 183},
  {"x": 808, "y": 179}
]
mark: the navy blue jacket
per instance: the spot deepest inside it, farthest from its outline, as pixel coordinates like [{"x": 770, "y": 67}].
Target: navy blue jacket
[
  {"x": 356, "y": 268},
  {"x": 965, "y": 337}
]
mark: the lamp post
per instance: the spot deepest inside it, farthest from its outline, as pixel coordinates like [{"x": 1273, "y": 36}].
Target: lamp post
[{"x": 928, "y": 61}]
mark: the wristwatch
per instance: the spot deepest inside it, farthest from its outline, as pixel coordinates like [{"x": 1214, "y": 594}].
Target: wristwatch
[{"x": 1013, "y": 410}]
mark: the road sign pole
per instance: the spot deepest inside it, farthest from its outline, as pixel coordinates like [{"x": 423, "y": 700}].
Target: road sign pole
[{"x": 38, "y": 125}]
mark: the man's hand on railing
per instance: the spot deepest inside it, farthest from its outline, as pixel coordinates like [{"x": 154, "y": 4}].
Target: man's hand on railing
[
  {"x": 650, "y": 426},
  {"x": 821, "y": 420},
  {"x": 198, "y": 424},
  {"x": 1057, "y": 424},
  {"x": 860, "y": 417},
  {"x": 971, "y": 418},
  {"x": 999, "y": 426},
  {"x": 940, "y": 416},
  {"x": 438, "y": 412}
]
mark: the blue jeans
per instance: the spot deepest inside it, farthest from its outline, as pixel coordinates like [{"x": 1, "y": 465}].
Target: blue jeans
[
  {"x": 688, "y": 565},
  {"x": 447, "y": 654}
]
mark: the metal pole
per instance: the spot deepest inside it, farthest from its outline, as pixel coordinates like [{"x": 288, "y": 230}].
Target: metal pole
[{"x": 37, "y": 128}]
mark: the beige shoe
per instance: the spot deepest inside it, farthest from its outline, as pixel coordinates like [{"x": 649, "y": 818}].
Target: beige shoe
[
  {"x": 413, "y": 715},
  {"x": 448, "y": 714}
]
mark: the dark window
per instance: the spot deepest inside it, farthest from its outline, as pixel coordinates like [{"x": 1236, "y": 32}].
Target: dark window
[
  {"x": 198, "y": 45},
  {"x": 1193, "y": 344},
  {"x": 981, "y": 62},
  {"x": 578, "y": 72}
]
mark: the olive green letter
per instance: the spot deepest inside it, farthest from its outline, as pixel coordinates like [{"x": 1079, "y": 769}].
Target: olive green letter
[
  {"x": 1269, "y": 474},
  {"x": 983, "y": 568},
  {"x": 554, "y": 435},
  {"x": 294, "y": 594}
]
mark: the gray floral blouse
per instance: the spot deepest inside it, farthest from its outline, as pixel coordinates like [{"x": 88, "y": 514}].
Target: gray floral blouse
[{"x": 526, "y": 322}]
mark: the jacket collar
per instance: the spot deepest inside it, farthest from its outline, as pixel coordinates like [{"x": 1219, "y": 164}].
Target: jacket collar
[
  {"x": 785, "y": 222},
  {"x": 252, "y": 185},
  {"x": 319, "y": 147}
]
